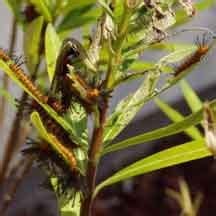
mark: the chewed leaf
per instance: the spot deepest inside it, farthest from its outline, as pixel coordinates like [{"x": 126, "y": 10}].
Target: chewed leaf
[
  {"x": 52, "y": 46},
  {"x": 32, "y": 41},
  {"x": 128, "y": 107},
  {"x": 176, "y": 155},
  {"x": 177, "y": 56}
]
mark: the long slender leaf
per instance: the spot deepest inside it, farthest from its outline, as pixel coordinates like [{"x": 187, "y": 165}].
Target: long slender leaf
[
  {"x": 43, "y": 9},
  {"x": 15, "y": 7},
  {"x": 166, "y": 158},
  {"x": 171, "y": 129},
  {"x": 175, "y": 116},
  {"x": 37, "y": 122},
  {"x": 128, "y": 108},
  {"x": 190, "y": 96},
  {"x": 52, "y": 46},
  {"x": 49, "y": 110},
  {"x": 32, "y": 41}
]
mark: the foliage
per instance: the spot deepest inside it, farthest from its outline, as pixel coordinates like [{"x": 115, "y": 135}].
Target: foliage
[{"x": 82, "y": 76}]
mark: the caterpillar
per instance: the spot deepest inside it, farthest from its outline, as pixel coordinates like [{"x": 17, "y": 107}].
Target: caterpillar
[
  {"x": 54, "y": 166},
  {"x": 58, "y": 134},
  {"x": 202, "y": 49},
  {"x": 27, "y": 82},
  {"x": 4, "y": 56}
]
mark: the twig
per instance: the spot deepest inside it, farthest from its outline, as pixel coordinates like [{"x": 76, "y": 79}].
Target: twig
[
  {"x": 14, "y": 135},
  {"x": 5, "y": 78},
  {"x": 94, "y": 152},
  {"x": 9, "y": 196}
]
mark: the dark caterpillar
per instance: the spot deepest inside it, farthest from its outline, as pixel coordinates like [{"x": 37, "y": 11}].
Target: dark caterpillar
[
  {"x": 202, "y": 49},
  {"x": 52, "y": 163}
]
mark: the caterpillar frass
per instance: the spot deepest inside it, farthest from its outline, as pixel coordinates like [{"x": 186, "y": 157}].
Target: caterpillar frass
[{"x": 202, "y": 49}]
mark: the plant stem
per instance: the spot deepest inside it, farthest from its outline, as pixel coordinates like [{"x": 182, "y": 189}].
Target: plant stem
[
  {"x": 5, "y": 78},
  {"x": 94, "y": 154},
  {"x": 97, "y": 139},
  {"x": 24, "y": 167}
]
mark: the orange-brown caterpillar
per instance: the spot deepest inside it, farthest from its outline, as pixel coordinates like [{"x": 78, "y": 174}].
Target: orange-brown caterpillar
[
  {"x": 202, "y": 49},
  {"x": 4, "y": 56},
  {"x": 59, "y": 136},
  {"x": 53, "y": 164},
  {"x": 30, "y": 85}
]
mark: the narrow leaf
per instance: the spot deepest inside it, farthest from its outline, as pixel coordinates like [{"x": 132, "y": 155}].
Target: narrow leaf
[
  {"x": 52, "y": 46},
  {"x": 171, "y": 129},
  {"x": 37, "y": 122},
  {"x": 128, "y": 107},
  {"x": 43, "y": 9},
  {"x": 32, "y": 41},
  {"x": 176, "y": 155},
  {"x": 175, "y": 116},
  {"x": 190, "y": 96},
  {"x": 46, "y": 107},
  {"x": 15, "y": 7}
]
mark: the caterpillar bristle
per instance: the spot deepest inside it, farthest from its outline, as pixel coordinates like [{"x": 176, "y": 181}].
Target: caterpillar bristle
[
  {"x": 201, "y": 51},
  {"x": 52, "y": 163}
]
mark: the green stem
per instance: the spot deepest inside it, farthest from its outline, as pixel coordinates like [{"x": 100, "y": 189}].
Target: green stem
[{"x": 115, "y": 60}]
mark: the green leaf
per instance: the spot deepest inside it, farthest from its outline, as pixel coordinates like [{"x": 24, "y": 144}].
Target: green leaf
[
  {"x": 11, "y": 100},
  {"x": 76, "y": 5},
  {"x": 32, "y": 41},
  {"x": 78, "y": 17},
  {"x": 38, "y": 124},
  {"x": 106, "y": 7},
  {"x": 15, "y": 7},
  {"x": 43, "y": 9},
  {"x": 46, "y": 107},
  {"x": 36, "y": 120},
  {"x": 77, "y": 118},
  {"x": 72, "y": 208},
  {"x": 169, "y": 130},
  {"x": 176, "y": 155},
  {"x": 139, "y": 65},
  {"x": 177, "y": 55},
  {"x": 52, "y": 47},
  {"x": 175, "y": 116},
  {"x": 190, "y": 96},
  {"x": 127, "y": 108}
]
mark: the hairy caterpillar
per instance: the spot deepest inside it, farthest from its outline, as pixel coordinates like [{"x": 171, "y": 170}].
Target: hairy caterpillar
[
  {"x": 54, "y": 166},
  {"x": 202, "y": 49},
  {"x": 29, "y": 84}
]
